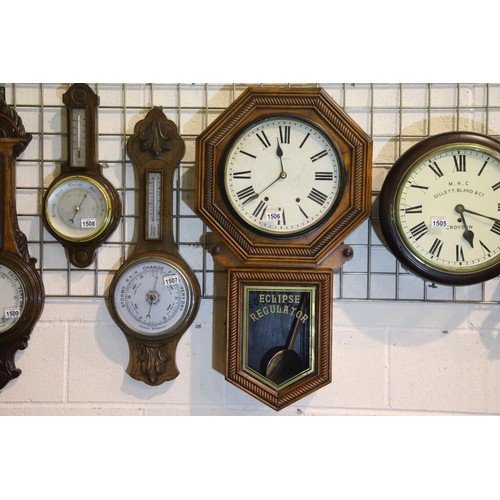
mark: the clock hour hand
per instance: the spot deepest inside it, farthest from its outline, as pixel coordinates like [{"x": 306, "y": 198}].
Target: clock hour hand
[
  {"x": 468, "y": 234},
  {"x": 279, "y": 154}
]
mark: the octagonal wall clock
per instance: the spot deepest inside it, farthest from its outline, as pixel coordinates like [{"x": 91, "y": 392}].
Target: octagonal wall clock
[
  {"x": 440, "y": 208},
  {"x": 22, "y": 294},
  {"x": 283, "y": 176}
]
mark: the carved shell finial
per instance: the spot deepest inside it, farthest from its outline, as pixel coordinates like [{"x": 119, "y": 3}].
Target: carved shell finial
[{"x": 156, "y": 133}]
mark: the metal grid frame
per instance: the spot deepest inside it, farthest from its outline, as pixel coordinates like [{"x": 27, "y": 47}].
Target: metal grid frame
[{"x": 396, "y": 116}]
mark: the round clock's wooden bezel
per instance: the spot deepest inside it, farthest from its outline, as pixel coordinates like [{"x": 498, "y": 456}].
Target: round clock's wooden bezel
[
  {"x": 388, "y": 208},
  {"x": 314, "y": 105},
  {"x": 269, "y": 234}
]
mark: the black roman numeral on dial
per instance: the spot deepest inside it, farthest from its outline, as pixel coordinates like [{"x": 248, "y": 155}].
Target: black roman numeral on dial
[
  {"x": 263, "y": 139},
  {"x": 319, "y": 155},
  {"x": 460, "y": 164},
  {"x": 285, "y": 134},
  {"x": 496, "y": 228},
  {"x": 242, "y": 174},
  {"x": 246, "y": 193},
  {"x": 435, "y": 168},
  {"x": 436, "y": 247},
  {"x": 323, "y": 176},
  {"x": 419, "y": 230},
  {"x": 417, "y": 209},
  {"x": 317, "y": 196},
  {"x": 260, "y": 210}
]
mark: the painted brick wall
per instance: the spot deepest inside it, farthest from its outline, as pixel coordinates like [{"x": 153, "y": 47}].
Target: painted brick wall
[{"x": 436, "y": 353}]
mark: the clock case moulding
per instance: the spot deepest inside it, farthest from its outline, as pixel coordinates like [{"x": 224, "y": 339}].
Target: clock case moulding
[
  {"x": 309, "y": 248},
  {"x": 251, "y": 256},
  {"x": 14, "y": 246}
]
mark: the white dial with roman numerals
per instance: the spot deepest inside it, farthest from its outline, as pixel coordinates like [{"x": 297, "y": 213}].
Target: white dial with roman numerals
[
  {"x": 283, "y": 175},
  {"x": 446, "y": 210}
]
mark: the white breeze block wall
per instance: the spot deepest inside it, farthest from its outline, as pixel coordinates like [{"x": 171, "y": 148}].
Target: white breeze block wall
[{"x": 436, "y": 352}]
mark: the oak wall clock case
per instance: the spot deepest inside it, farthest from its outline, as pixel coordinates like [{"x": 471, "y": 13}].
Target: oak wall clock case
[
  {"x": 81, "y": 207},
  {"x": 22, "y": 293},
  {"x": 440, "y": 208},
  {"x": 283, "y": 176},
  {"x": 154, "y": 296}
]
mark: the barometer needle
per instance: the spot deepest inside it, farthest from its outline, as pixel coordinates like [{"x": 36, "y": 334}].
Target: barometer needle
[{"x": 77, "y": 209}]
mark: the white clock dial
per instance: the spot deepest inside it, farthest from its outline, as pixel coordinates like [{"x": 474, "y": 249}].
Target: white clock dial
[
  {"x": 283, "y": 175},
  {"x": 448, "y": 208},
  {"x": 152, "y": 297},
  {"x": 78, "y": 208},
  {"x": 12, "y": 298}
]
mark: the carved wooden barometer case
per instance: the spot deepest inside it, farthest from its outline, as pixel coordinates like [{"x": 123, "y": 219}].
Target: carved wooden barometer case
[
  {"x": 283, "y": 176},
  {"x": 154, "y": 296},
  {"x": 81, "y": 207},
  {"x": 22, "y": 293}
]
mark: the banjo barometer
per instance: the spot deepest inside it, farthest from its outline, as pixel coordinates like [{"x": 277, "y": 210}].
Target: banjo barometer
[
  {"x": 22, "y": 293},
  {"x": 81, "y": 207},
  {"x": 154, "y": 296}
]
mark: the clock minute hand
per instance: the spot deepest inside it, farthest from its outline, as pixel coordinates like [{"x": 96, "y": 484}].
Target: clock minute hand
[
  {"x": 256, "y": 195},
  {"x": 480, "y": 215}
]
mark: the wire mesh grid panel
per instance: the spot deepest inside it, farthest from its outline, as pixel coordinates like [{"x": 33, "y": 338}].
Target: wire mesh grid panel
[{"x": 395, "y": 116}]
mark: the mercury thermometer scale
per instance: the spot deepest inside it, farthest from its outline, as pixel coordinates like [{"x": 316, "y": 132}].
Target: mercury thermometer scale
[
  {"x": 78, "y": 137},
  {"x": 154, "y": 205}
]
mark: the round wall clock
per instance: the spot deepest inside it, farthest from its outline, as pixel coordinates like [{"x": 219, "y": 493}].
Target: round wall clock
[
  {"x": 81, "y": 207},
  {"x": 440, "y": 208},
  {"x": 283, "y": 176},
  {"x": 22, "y": 293},
  {"x": 154, "y": 296}
]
